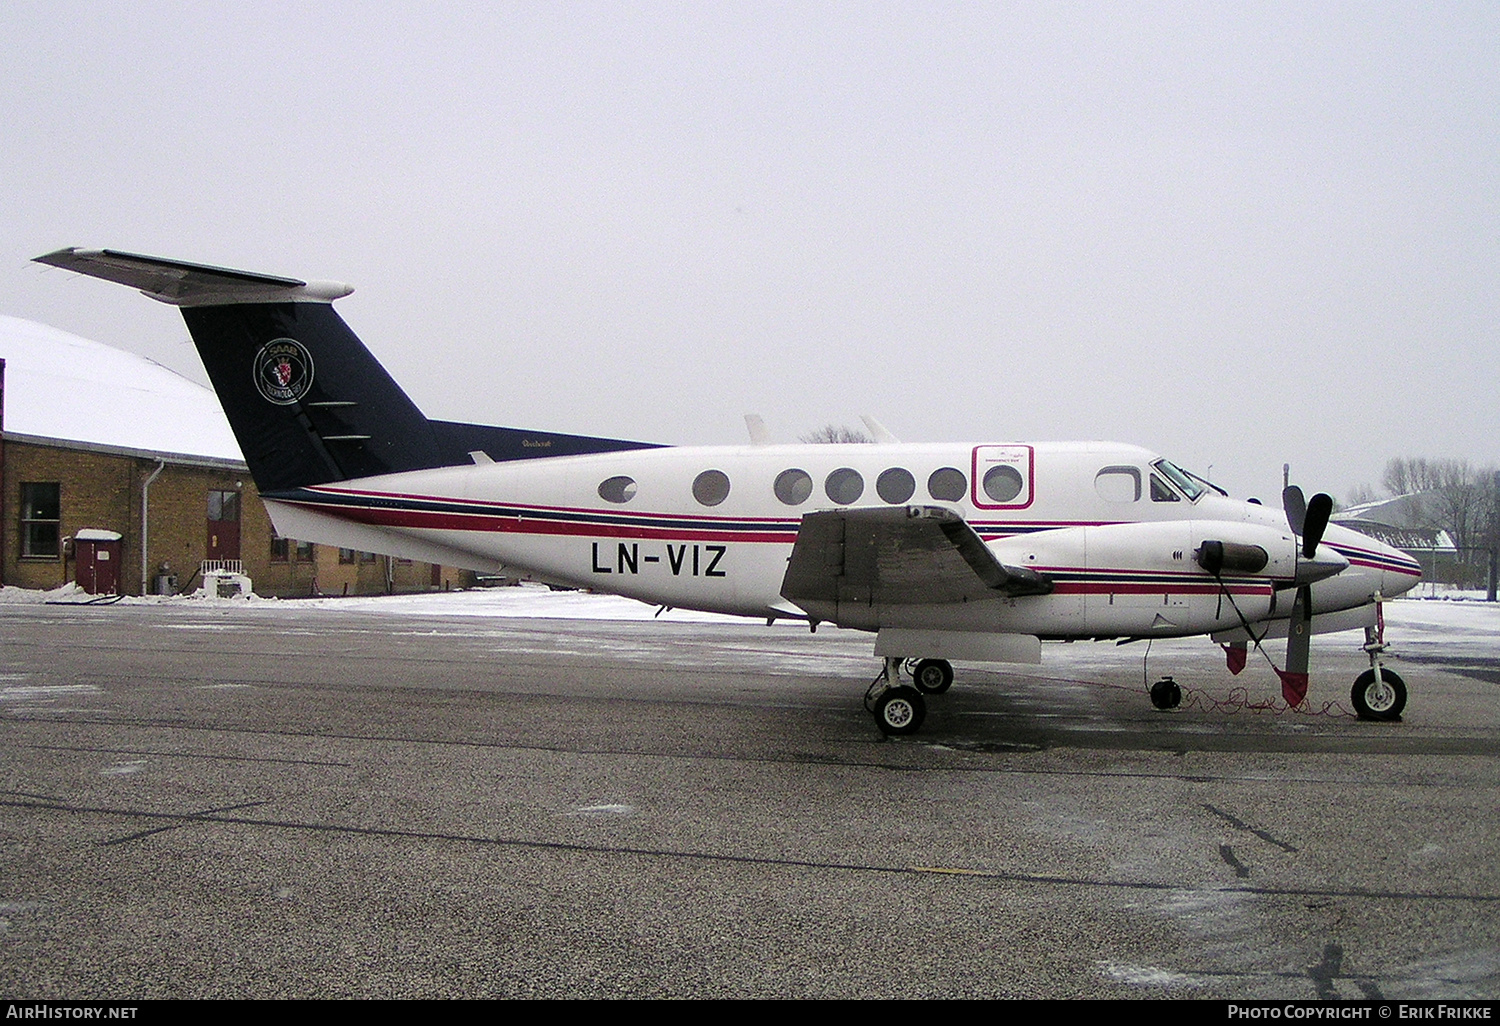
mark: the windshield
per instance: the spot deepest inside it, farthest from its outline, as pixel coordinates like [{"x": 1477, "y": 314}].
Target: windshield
[{"x": 1182, "y": 479}]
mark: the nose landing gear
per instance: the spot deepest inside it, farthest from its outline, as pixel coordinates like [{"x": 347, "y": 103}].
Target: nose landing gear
[{"x": 1379, "y": 694}]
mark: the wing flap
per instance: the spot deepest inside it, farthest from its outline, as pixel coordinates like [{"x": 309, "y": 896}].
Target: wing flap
[{"x": 898, "y": 555}]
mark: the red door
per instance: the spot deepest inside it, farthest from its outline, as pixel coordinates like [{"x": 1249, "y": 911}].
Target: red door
[
  {"x": 97, "y": 556},
  {"x": 223, "y": 525}
]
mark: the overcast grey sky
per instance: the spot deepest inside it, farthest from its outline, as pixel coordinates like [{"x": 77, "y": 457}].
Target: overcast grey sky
[{"x": 1239, "y": 234}]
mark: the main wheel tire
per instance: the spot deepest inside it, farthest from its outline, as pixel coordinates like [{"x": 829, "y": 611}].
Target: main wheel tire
[
  {"x": 933, "y": 676},
  {"x": 1382, "y": 701},
  {"x": 900, "y": 711}
]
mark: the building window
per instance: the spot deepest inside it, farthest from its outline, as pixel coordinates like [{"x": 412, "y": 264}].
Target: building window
[
  {"x": 306, "y": 553},
  {"x": 223, "y": 505},
  {"x": 280, "y": 549},
  {"x": 367, "y": 557},
  {"x": 41, "y": 519},
  {"x": 347, "y": 556}
]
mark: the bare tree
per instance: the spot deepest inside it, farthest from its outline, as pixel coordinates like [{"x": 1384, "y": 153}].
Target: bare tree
[
  {"x": 1451, "y": 495},
  {"x": 835, "y": 433},
  {"x": 1407, "y": 476}
]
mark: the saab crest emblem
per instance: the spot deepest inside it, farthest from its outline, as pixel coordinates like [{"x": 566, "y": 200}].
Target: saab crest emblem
[{"x": 283, "y": 371}]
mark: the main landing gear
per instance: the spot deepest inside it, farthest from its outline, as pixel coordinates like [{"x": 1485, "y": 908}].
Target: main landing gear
[
  {"x": 899, "y": 709},
  {"x": 931, "y": 676}
]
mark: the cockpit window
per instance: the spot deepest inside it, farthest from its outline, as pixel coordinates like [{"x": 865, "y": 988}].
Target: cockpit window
[
  {"x": 1184, "y": 481},
  {"x": 1160, "y": 492},
  {"x": 1118, "y": 484}
]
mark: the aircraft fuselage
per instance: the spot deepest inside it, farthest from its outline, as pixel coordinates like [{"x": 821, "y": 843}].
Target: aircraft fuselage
[{"x": 713, "y": 528}]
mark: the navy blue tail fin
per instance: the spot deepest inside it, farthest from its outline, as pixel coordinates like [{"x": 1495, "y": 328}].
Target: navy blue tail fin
[{"x": 307, "y": 401}]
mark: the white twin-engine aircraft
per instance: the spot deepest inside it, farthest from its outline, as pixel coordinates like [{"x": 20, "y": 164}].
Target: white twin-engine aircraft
[{"x": 968, "y": 552}]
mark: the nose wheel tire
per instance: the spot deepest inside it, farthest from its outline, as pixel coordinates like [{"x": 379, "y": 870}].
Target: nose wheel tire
[
  {"x": 1379, "y": 700},
  {"x": 900, "y": 711},
  {"x": 933, "y": 676}
]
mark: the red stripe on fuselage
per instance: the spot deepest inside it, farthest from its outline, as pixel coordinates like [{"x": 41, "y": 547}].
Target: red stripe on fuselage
[
  {"x": 491, "y": 524},
  {"x": 1116, "y": 588}
]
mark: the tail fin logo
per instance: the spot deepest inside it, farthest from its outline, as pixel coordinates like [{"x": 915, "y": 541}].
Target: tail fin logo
[{"x": 283, "y": 371}]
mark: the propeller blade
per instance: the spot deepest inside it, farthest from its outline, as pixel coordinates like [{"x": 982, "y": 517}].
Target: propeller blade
[
  {"x": 1295, "y": 506},
  {"x": 1318, "y": 512},
  {"x": 1298, "y": 643}
]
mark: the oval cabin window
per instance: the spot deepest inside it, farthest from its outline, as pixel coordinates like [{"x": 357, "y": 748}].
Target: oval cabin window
[
  {"x": 844, "y": 486},
  {"x": 1002, "y": 483},
  {"x": 617, "y": 489},
  {"x": 895, "y": 485},
  {"x": 949, "y": 485},
  {"x": 711, "y": 487},
  {"x": 794, "y": 487}
]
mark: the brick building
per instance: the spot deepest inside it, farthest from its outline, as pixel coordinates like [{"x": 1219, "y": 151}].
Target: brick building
[{"x": 103, "y": 442}]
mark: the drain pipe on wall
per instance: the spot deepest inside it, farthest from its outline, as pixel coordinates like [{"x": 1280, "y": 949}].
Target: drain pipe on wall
[{"x": 145, "y": 509}]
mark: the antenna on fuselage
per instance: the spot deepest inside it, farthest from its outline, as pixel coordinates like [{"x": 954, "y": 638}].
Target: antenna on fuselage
[
  {"x": 878, "y": 430},
  {"x": 757, "y": 428}
]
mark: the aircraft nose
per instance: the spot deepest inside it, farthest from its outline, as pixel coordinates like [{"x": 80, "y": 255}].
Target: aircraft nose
[
  {"x": 1399, "y": 573},
  {"x": 1378, "y": 565}
]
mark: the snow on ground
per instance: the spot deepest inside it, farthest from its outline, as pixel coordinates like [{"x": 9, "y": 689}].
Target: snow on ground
[
  {"x": 1463, "y": 628},
  {"x": 527, "y": 600},
  {"x": 1461, "y": 619}
]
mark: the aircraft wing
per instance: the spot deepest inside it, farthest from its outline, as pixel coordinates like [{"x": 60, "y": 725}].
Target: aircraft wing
[{"x": 898, "y": 555}]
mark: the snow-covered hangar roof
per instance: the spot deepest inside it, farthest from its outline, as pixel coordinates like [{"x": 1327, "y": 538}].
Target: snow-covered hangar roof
[{"x": 61, "y": 386}]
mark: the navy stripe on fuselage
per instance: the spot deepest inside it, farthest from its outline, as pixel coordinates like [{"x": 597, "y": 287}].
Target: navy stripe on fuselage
[
  {"x": 1379, "y": 560},
  {"x": 344, "y": 501}
]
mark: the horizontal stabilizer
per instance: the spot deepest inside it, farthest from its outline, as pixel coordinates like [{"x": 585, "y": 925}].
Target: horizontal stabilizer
[{"x": 183, "y": 284}]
